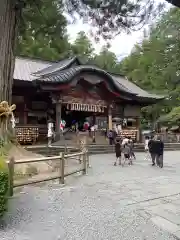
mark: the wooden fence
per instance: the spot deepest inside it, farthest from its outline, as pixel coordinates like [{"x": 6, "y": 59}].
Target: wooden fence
[{"x": 60, "y": 175}]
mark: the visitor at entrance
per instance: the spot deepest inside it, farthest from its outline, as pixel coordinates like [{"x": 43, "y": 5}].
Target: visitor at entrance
[
  {"x": 159, "y": 150},
  {"x": 111, "y": 137},
  {"x": 118, "y": 151},
  {"x": 50, "y": 132},
  {"x": 146, "y": 148},
  {"x": 151, "y": 149},
  {"x": 131, "y": 145},
  {"x": 93, "y": 134}
]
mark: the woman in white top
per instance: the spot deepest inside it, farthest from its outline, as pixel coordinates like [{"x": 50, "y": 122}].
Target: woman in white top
[
  {"x": 50, "y": 133},
  {"x": 146, "y": 148}
]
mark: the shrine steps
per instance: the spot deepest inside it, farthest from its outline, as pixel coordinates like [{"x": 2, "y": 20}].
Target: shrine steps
[{"x": 92, "y": 148}]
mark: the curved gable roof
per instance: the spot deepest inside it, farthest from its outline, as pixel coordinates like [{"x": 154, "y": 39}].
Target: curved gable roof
[
  {"x": 67, "y": 75},
  {"x": 58, "y": 66},
  {"x": 123, "y": 80}
]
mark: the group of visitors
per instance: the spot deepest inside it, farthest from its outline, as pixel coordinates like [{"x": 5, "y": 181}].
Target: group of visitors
[
  {"x": 154, "y": 148},
  {"x": 124, "y": 149}
]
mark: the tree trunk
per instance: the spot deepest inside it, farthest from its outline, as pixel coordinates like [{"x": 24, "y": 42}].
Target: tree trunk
[{"x": 8, "y": 29}]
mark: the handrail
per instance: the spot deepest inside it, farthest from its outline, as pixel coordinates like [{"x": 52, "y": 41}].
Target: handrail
[
  {"x": 45, "y": 159},
  {"x": 60, "y": 175}
]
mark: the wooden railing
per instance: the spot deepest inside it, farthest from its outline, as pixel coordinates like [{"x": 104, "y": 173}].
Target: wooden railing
[{"x": 82, "y": 157}]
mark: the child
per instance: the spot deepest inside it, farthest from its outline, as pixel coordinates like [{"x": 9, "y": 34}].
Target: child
[
  {"x": 118, "y": 151},
  {"x": 131, "y": 145},
  {"x": 126, "y": 151}
]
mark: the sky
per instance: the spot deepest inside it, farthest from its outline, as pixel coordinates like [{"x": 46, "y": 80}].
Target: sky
[{"x": 120, "y": 45}]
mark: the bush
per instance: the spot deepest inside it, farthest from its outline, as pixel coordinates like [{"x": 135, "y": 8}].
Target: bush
[{"x": 4, "y": 186}]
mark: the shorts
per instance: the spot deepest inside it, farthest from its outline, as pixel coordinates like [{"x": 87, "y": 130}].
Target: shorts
[
  {"x": 118, "y": 154},
  {"x": 127, "y": 156}
]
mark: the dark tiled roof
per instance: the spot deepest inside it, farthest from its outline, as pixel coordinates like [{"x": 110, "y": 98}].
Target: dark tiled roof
[
  {"x": 58, "y": 66},
  {"x": 133, "y": 87},
  {"x": 67, "y": 75},
  {"x": 28, "y": 69}
]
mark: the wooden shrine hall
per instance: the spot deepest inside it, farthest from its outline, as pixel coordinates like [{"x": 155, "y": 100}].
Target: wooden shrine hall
[{"x": 71, "y": 91}]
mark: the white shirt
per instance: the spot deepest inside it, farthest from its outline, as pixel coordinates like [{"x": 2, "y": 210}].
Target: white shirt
[
  {"x": 92, "y": 129},
  {"x": 125, "y": 140},
  {"x": 50, "y": 131},
  {"x": 146, "y": 144}
]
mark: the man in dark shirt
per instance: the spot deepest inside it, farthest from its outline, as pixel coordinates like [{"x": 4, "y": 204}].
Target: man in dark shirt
[
  {"x": 159, "y": 152},
  {"x": 156, "y": 149},
  {"x": 152, "y": 151}
]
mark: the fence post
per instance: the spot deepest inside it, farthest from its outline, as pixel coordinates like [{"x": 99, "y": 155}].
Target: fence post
[
  {"x": 87, "y": 156},
  {"x": 84, "y": 163},
  {"x": 11, "y": 175},
  {"x": 62, "y": 165}
]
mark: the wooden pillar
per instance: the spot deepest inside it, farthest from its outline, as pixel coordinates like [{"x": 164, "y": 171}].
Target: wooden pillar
[
  {"x": 58, "y": 103},
  {"x": 25, "y": 114},
  {"x": 138, "y": 129},
  {"x": 110, "y": 127},
  {"x": 58, "y": 116}
]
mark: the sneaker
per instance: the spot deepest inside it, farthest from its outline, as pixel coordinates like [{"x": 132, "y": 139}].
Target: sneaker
[
  {"x": 115, "y": 164},
  {"x": 153, "y": 164}
]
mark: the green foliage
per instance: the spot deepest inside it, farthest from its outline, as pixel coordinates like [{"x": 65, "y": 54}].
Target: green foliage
[
  {"x": 172, "y": 117},
  {"x": 42, "y": 31},
  {"x": 82, "y": 46},
  {"x": 106, "y": 60},
  {"x": 154, "y": 64},
  {"x": 3, "y": 186}
]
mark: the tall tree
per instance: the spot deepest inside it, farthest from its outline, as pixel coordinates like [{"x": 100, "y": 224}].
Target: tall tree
[
  {"x": 82, "y": 46},
  {"x": 154, "y": 65},
  {"x": 106, "y": 60},
  {"x": 43, "y": 32},
  {"x": 107, "y": 16}
]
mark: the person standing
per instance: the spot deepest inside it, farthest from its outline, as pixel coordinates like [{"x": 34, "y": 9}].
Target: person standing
[
  {"x": 131, "y": 145},
  {"x": 50, "y": 132},
  {"x": 152, "y": 149},
  {"x": 159, "y": 152},
  {"x": 118, "y": 151},
  {"x": 146, "y": 148},
  {"x": 110, "y": 136}
]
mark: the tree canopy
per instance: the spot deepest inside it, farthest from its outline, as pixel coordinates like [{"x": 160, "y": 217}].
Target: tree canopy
[{"x": 154, "y": 64}]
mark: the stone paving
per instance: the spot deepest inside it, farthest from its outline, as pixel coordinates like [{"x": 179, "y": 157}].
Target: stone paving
[{"x": 134, "y": 202}]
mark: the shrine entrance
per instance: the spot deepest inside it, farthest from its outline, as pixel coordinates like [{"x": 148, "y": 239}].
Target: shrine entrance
[{"x": 78, "y": 107}]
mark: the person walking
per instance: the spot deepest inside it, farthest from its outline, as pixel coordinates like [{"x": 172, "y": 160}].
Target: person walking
[{"x": 126, "y": 151}]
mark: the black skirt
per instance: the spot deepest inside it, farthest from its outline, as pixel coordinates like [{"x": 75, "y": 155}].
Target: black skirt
[
  {"x": 127, "y": 156},
  {"x": 118, "y": 154}
]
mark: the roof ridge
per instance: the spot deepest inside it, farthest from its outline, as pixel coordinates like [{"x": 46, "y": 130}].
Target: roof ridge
[{"x": 33, "y": 59}]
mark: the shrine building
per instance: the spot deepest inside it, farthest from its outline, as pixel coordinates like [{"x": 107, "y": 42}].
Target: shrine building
[{"x": 74, "y": 92}]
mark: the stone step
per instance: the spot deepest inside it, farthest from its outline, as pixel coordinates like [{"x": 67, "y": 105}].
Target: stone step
[{"x": 93, "y": 149}]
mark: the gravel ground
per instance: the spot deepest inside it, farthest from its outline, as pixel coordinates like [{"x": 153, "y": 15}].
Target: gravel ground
[{"x": 104, "y": 205}]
